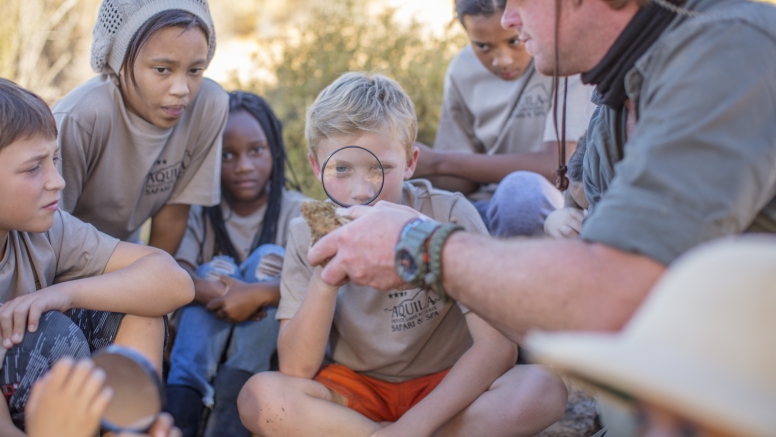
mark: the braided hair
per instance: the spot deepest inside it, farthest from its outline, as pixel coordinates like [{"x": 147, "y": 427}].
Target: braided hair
[{"x": 261, "y": 111}]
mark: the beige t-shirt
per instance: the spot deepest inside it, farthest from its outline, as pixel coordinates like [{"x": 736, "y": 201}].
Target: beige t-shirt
[
  {"x": 121, "y": 170},
  {"x": 200, "y": 239},
  {"x": 71, "y": 249},
  {"x": 397, "y": 335},
  {"x": 482, "y": 113}
]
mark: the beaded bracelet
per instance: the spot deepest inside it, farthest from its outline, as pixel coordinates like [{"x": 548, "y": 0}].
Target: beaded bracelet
[{"x": 433, "y": 278}]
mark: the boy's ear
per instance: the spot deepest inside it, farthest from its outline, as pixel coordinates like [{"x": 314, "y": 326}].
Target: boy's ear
[
  {"x": 412, "y": 163},
  {"x": 314, "y": 164}
]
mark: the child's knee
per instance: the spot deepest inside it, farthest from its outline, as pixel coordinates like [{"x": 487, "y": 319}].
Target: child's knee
[
  {"x": 545, "y": 391},
  {"x": 261, "y": 388},
  {"x": 521, "y": 204},
  {"x": 537, "y": 397},
  {"x": 256, "y": 400}
]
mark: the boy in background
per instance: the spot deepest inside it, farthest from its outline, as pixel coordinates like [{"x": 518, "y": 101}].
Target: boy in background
[
  {"x": 66, "y": 289},
  {"x": 403, "y": 362}
]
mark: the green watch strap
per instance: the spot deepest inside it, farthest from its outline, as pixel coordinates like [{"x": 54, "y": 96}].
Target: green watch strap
[{"x": 433, "y": 278}]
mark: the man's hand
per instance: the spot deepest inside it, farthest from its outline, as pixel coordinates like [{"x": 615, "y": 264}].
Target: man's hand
[
  {"x": 23, "y": 313},
  {"x": 564, "y": 223},
  {"x": 363, "y": 250},
  {"x": 241, "y": 301},
  {"x": 68, "y": 401}
]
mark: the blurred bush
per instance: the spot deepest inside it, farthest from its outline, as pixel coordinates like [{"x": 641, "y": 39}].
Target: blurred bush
[
  {"x": 44, "y": 44},
  {"x": 339, "y": 36}
]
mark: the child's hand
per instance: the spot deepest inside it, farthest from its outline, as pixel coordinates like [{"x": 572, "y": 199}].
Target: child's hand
[
  {"x": 163, "y": 427},
  {"x": 68, "y": 401},
  {"x": 205, "y": 290},
  {"x": 564, "y": 223},
  {"x": 241, "y": 302},
  {"x": 23, "y": 313}
]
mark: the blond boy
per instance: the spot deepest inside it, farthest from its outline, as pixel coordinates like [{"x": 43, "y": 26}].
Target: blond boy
[{"x": 403, "y": 362}]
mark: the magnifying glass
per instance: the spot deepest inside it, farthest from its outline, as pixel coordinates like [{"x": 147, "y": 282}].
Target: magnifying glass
[
  {"x": 352, "y": 175},
  {"x": 138, "y": 397}
]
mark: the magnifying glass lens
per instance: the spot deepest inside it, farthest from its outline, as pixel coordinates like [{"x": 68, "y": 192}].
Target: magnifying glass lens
[
  {"x": 352, "y": 175},
  {"x": 137, "y": 397}
]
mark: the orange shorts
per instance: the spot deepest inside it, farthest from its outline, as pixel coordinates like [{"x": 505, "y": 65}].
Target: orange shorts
[{"x": 378, "y": 400}]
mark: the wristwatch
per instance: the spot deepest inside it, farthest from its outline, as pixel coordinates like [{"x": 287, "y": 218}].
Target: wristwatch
[{"x": 411, "y": 255}]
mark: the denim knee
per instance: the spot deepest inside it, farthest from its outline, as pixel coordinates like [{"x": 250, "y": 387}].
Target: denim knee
[{"x": 521, "y": 203}]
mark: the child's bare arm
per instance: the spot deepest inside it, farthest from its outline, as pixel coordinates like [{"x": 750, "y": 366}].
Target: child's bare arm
[
  {"x": 204, "y": 290},
  {"x": 303, "y": 338},
  {"x": 138, "y": 280},
  {"x": 489, "y": 357},
  {"x": 242, "y": 301}
]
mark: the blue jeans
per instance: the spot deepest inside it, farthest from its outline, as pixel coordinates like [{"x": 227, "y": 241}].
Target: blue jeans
[
  {"x": 520, "y": 205},
  {"x": 248, "y": 346}
]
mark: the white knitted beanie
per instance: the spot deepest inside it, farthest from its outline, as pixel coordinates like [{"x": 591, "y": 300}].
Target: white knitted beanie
[{"x": 119, "y": 20}]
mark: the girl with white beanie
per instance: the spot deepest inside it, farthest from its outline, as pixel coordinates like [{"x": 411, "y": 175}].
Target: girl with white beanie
[{"x": 143, "y": 139}]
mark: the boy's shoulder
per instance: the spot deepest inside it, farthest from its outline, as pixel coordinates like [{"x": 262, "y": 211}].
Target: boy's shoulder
[
  {"x": 68, "y": 250},
  {"x": 298, "y": 234},
  {"x": 441, "y": 205},
  {"x": 294, "y": 198}
]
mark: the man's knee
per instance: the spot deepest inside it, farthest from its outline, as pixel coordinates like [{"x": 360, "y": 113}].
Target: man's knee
[{"x": 521, "y": 203}]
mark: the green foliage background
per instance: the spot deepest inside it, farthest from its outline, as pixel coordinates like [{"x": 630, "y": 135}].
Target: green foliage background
[{"x": 338, "y": 37}]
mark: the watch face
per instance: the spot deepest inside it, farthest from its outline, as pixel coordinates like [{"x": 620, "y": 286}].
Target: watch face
[{"x": 406, "y": 266}]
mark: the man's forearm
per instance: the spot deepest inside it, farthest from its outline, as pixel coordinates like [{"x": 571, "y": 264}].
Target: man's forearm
[{"x": 518, "y": 285}]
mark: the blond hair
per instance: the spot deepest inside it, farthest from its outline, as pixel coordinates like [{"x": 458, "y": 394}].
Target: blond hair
[{"x": 359, "y": 102}]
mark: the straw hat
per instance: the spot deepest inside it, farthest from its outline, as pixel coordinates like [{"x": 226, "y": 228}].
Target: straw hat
[{"x": 703, "y": 344}]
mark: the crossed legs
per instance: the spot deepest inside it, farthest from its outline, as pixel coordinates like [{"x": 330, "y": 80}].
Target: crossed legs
[{"x": 522, "y": 402}]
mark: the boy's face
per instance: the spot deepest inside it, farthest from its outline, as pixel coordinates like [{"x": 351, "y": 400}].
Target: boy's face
[
  {"x": 29, "y": 185},
  {"x": 397, "y": 166},
  {"x": 498, "y": 49}
]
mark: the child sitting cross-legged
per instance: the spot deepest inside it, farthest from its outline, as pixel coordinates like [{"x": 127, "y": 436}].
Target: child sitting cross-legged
[
  {"x": 402, "y": 362},
  {"x": 66, "y": 289},
  {"x": 234, "y": 252}
]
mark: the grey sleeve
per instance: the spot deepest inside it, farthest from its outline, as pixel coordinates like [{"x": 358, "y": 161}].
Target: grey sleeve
[
  {"x": 701, "y": 162},
  {"x": 193, "y": 240},
  {"x": 455, "y": 131},
  {"x": 82, "y": 251},
  {"x": 297, "y": 271},
  {"x": 200, "y": 183},
  {"x": 73, "y": 165}
]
